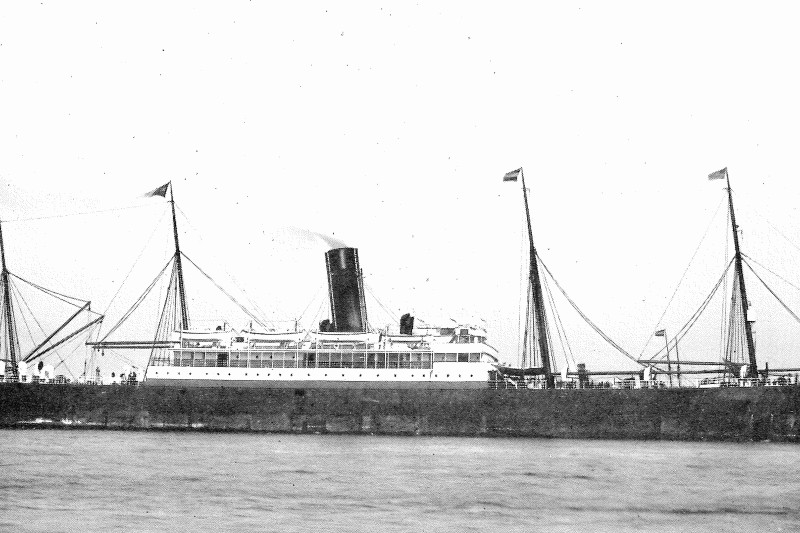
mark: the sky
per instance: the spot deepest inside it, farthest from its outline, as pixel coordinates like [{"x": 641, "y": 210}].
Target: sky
[{"x": 388, "y": 127}]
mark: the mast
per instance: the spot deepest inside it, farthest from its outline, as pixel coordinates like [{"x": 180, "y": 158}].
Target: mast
[
  {"x": 10, "y": 330},
  {"x": 538, "y": 299},
  {"x": 178, "y": 265},
  {"x": 751, "y": 350}
]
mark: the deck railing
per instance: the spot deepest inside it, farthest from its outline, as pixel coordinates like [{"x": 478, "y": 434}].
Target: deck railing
[{"x": 777, "y": 381}]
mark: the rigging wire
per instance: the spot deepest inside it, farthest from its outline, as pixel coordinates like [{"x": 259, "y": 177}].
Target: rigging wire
[
  {"x": 693, "y": 319},
  {"x": 522, "y": 349},
  {"x": 116, "y": 353},
  {"x": 14, "y": 290},
  {"x": 318, "y": 314},
  {"x": 386, "y": 309},
  {"x": 683, "y": 276},
  {"x": 51, "y": 292},
  {"x": 552, "y": 361},
  {"x": 135, "y": 262},
  {"x": 8, "y": 319},
  {"x": 560, "y": 330},
  {"x": 63, "y": 361},
  {"x": 243, "y": 308},
  {"x": 772, "y": 292},
  {"x": 4, "y": 345},
  {"x": 724, "y": 314},
  {"x": 736, "y": 328},
  {"x": 63, "y": 340},
  {"x": 779, "y": 232},
  {"x": 65, "y": 215},
  {"x": 139, "y": 300},
  {"x": 228, "y": 274},
  {"x": 53, "y": 348},
  {"x": 167, "y": 320},
  {"x": 771, "y": 272},
  {"x": 313, "y": 299},
  {"x": 597, "y": 330},
  {"x": 28, "y": 307}
]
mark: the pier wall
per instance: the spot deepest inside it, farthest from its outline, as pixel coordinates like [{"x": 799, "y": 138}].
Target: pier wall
[{"x": 733, "y": 414}]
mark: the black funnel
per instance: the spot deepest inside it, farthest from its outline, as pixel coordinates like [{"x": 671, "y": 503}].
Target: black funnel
[{"x": 346, "y": 290}]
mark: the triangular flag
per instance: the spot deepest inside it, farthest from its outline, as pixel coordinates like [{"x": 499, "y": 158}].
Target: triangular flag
[
  {"x": 159, "y": 191},
  {"x": 719, "y": 174},
  {"x": 513, "y": 175}
]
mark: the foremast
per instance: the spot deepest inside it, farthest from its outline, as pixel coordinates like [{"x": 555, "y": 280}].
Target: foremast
[
  {"x": 537, "y": 303},
  {"x": 752, "y": 370},
  {"x": 10, "y": 330}
]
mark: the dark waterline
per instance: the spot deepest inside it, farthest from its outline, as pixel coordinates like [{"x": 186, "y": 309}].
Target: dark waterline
[{"x": 174, "y": 481}]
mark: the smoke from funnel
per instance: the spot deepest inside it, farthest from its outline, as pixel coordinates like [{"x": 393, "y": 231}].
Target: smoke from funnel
[{"x": 328, "y": 240}]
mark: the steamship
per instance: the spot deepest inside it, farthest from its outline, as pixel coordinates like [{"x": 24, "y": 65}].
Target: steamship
[{"x": 342, "y": 353}]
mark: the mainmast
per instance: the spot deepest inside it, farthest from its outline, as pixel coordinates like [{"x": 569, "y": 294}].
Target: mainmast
[
  {"x": 10, "y": 329},
  {"x": 751, "y": 350},
  {"x": 178, "y": 265},
  {"x": 535, "y": 282}
]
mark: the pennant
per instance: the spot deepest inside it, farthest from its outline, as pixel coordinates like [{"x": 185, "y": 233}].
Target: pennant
[
  {"x": 160, "y": 191},
  {"x": 661, "y": 333},
  {"x": 719, "y": 174},
  {"x": 513, "y": 175}
]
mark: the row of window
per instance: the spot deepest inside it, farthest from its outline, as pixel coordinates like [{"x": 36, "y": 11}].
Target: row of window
[
  {"x": 326, "y": 375},
  {"x": 314, "y": 360},
  {"x": 296, "y": 364}
]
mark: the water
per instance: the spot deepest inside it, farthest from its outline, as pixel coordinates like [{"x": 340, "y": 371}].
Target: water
[{"x": 100, "y": 481}]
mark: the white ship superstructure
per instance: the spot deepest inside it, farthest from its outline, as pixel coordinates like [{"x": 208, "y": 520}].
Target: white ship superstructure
[{"x": 431, "y": 357}]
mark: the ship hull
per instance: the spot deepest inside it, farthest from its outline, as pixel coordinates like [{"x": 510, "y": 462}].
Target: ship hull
[{"x": 733, "y": 414}]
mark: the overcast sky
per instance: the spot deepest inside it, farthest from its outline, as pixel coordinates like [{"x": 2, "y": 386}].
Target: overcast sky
[{"x": 389, "y": 127}]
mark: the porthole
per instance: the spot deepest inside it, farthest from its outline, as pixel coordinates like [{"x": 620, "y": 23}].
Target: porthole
[
  {"x": 395, "y": 375},
  {"x": 342, "y": 375}
]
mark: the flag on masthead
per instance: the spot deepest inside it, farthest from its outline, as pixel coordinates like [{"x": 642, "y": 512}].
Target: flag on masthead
[
  {"x": 719, "y": 174},
  {"x": 661, "y": 333},
  {"x": 159, "y": 191},
  {"x": 513, "y": 175}
]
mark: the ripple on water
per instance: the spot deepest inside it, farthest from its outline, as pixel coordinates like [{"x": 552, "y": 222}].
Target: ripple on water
[{"x": 150, "y": 482}]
